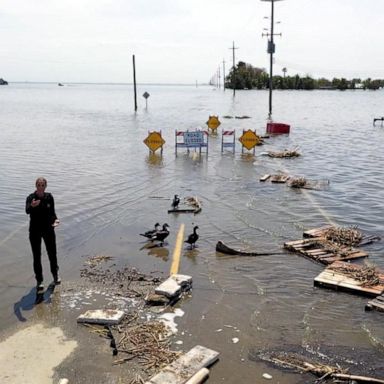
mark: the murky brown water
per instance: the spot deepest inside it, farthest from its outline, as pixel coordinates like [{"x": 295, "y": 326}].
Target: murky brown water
[{"x": 108, "y": 189}]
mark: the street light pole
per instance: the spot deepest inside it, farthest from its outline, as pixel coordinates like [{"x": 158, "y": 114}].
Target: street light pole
[{"x": 271, "y": 51}]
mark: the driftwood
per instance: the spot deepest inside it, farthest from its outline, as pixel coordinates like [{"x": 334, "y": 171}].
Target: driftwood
[
  {"x": 321, "y": 370},
  {"x": 221, "y": 247}
]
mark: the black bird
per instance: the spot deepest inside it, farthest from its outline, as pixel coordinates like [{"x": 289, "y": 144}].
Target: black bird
[
  {"x": 193, "y": 237},
  {"x": 175, "y": 202},
  {"x": 149, "y": 234},
  {"x": 161, "y": 235}
]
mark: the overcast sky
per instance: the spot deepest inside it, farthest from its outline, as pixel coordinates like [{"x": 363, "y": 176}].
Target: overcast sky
[{"x": 181, "y": 41}]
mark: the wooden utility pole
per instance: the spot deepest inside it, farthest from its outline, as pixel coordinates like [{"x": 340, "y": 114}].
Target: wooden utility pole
[
  {"x": 223, "y": 74},
  {"x": 234, "y": 68},
  {"x": 134, "y": 81},
  {"x": 271, "y": 51}
]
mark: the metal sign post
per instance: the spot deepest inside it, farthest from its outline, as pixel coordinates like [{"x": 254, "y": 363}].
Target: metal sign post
[{"x": 146, "y": 95}]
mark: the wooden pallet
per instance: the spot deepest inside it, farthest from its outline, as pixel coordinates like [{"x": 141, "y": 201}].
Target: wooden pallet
[
  {"x": 311, "y": 250},
  {"x": 377, "y": 303},
  {"x": 265, "y": 177},
  {"x": 334, "y": 279}
]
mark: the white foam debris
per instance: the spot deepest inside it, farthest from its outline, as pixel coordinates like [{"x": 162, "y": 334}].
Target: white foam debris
[
  {"x": 235, "y": 340},
  {"x": 267, "y": 376},
  {"x": 169, "y": 319}
]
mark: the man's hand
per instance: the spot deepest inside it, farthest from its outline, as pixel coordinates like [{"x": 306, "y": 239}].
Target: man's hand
[
  {"x": 35, "y": 203},
  {"x": 56, "y": 223}
]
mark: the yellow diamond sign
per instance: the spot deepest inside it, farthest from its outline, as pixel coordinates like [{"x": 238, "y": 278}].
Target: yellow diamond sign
[
  {"x": 249, "y": 139},
  {"x": 154, "y": 141},
  {"x": 213, "y": 122}
]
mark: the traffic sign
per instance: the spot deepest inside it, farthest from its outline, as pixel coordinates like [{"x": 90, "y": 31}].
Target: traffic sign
[
  {"x": 213, "y": 122},
  {"x": 154, "y": 141},
  {"x": 249, "y": 139}
]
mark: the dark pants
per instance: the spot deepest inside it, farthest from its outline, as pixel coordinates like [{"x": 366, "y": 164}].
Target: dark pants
[{"x": 49, "y": 237}]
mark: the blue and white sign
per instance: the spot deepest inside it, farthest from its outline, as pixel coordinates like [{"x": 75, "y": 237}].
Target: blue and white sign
[{"x": 194, "y": 139}]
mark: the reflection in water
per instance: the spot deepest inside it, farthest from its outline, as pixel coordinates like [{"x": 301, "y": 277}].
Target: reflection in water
[
  {"x": 161, "y": 252},
  {"x": 154, "y": 159},
  {"x": 191, "y": 254},
  {"x": 157, "y": 250}
]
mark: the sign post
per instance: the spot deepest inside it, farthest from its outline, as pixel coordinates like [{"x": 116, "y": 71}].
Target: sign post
[{"x": 146, "y": 95}]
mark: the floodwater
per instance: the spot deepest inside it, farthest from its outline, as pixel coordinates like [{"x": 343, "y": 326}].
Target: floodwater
[{"x": 88, "y": 142}]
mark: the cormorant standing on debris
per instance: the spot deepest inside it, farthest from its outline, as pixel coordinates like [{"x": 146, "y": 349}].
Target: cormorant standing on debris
[
  {"x": 150, "y": 233},
  {"x": 175, "y": 202},
  {"x": 161, "y": 235},
  {"x": 193, "y": 237}
]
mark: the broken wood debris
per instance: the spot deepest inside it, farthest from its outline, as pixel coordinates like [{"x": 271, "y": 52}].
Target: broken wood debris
[
  {"x": 284, "y": 154},
  {"x": 366, "y": 275},
  {"x": 321, "y": 370},
  {"x": 148, "y": 343},
  {"x": 186, "y": 366},
  {"x": 93, "y": 261},
  {"x": 303, "y": 183},
  {"x": 298, "y": 182},
  {"x": 279, "y": 178},
  {"x": 343, "y": 235},
  {"x": 335, "y": 277}
]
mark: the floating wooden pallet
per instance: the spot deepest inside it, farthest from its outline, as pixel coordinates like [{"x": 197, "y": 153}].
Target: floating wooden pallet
[
  {"x": 307, "y": 247},
  {"x": 331, "y": 278},
  {"x": 265, "y": 177},
  {"x": 377, "y": 303}
]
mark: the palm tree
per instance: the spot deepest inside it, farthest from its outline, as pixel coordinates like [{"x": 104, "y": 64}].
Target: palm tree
[{"x": 284, "y": 71}]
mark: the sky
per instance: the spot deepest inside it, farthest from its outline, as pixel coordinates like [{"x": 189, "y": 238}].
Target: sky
[{"x": 180, "y": 41}]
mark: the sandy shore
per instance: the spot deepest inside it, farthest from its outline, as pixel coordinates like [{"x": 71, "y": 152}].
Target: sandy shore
[{"x": 30, "y": 355}]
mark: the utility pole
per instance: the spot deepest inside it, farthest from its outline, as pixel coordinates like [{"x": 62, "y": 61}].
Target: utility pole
[
  {"x": 271, "y": 51},
  {"x": 224, "y": 75},
  {"x": 218, "y": 76},
  {"x": 234, "y": 68},
  {"x": 134, "y": 81}
]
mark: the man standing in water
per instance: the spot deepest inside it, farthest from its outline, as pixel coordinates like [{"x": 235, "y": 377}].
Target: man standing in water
[{"x": 41, "y": 209}]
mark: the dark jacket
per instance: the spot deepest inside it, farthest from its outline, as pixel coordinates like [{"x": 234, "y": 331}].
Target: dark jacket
[{"x": 43, "y": 216}]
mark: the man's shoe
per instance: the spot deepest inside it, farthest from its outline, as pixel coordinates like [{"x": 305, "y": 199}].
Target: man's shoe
[
  {"x": 40, "y": 286},
  {"x": 57, "y": 280}
]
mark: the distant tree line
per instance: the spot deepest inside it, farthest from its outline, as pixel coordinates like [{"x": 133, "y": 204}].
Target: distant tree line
[{"x": 245, "y": 76}]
